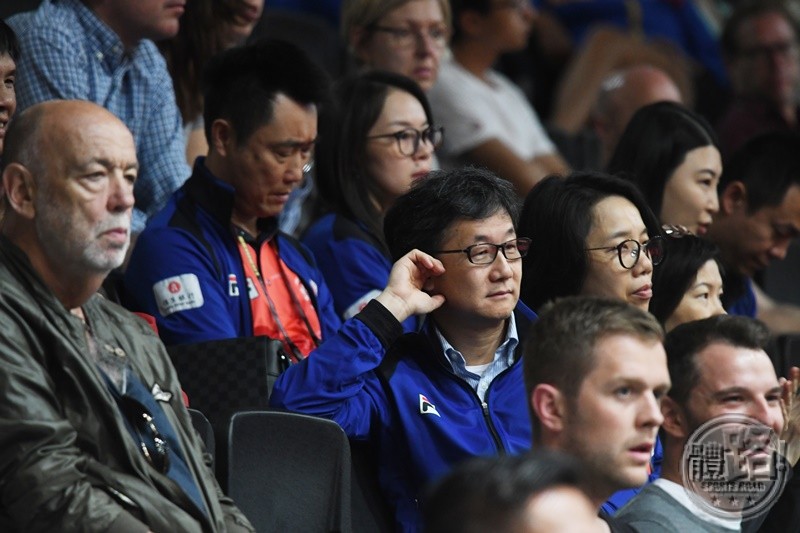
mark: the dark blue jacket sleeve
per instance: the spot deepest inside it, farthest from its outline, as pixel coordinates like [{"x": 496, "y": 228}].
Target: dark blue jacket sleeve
[
  {"x": 169, "y": 255},
  {"x": 338, "y": 380}
]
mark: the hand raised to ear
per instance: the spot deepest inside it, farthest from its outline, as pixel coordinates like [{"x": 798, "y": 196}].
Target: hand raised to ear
[{"x": 404, "y": 295}]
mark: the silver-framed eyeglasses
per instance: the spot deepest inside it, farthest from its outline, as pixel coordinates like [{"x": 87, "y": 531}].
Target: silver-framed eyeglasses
[
  {"x": 485, "y": 253},
  {"x": 408, "y": 37},
  {"x": 409, "y": 139},
  {"x": 629, "y": 251}
]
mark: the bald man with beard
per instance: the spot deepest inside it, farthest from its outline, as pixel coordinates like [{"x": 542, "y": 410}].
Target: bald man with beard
[{"x": 93, "y": 432}]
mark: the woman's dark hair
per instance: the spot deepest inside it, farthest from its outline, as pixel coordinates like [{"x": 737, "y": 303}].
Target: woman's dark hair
[
  {"x": 341, "y": 154},
  {"x": 685, "y": 255},
  {"x": 557, "y": 216},
  {"x": 655, "y": 143}
]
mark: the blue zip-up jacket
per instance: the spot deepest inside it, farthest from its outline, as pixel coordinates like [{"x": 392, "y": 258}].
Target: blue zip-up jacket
[
  {"x": 190, "y": 252},
  {"x": 355, "y": 263},
  {"x": 399, "y": 393}
]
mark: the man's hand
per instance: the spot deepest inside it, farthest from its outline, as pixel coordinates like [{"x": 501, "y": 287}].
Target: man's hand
[
  {"x": 791, "y": 414},
  {"x": 404, "y": 295}
]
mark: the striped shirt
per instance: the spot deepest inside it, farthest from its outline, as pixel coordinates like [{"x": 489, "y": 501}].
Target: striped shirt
[
  {"x": 503, "y": 359},
  {"x": 69, "y": 53}
]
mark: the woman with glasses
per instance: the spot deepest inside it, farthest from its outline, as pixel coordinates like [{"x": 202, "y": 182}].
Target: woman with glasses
[
  {"x": 403, "y": 36},
  {"x": 689, "y": 285},
  {"x": 376, "y": 143},
  {"x": 672, "y": 155},
  {"x": 591, "y": 234}
]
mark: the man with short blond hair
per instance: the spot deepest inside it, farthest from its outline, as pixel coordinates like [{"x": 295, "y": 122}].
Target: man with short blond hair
[{"x": 595, "y": 374}]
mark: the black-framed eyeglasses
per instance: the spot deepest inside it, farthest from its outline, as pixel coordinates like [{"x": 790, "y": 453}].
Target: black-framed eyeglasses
[
  {"x": 629, "y": 251},
  {"x": 409, "y": 139},
  {"x": 144, "y": 425},
  {"x": 484, "y": 253},
  {"x": 409, "y": 37}
]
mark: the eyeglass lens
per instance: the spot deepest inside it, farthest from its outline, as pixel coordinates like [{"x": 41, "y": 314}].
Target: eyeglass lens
[
  {"x": 630, "y": 250},
  {"x": 485, "y": 253},
  {"x": 409, "y": 140}
]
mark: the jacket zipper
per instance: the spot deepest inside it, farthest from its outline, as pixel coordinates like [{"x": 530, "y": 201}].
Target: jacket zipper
[{"x": 484, "y": 405}]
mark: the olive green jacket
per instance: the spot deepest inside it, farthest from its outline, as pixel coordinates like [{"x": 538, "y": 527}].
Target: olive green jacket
[{"x": 67, "y": 460}]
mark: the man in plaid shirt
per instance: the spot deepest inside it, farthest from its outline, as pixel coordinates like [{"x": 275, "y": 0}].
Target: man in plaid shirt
[{"x": 103, "y": 51}]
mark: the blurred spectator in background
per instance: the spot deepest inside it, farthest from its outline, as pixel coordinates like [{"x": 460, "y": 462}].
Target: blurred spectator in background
[
  {"x": 759, "y": 215},
  {"x": 403, "y": 36},
  {"x": 207, "y": 28},
  {"x": 540, "y": 492},
  {"x": 588, "y": 145},
  {"x": 760, "y": 41},
  {"x": 488, "y": 120},
  {"x": 102, "y": 51}
]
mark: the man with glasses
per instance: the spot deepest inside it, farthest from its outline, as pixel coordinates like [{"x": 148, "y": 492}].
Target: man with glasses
[
  {"x": 488, "y": 120},
  {"x": 94, "y": 435},
  {"x": 213, "y": 264},
  {"x": 761, "y": 51},
  {"x": 428, "y": 400}
]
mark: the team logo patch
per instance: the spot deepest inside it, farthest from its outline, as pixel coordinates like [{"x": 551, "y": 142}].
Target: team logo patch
[
  {"x": 233, "y": 285},
  {"x": 426, "y": 407},
  {"x": 178, "y": 293}
]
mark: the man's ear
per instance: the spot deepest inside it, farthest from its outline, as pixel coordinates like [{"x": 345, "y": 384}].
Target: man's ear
[
  {"x": 19, "y": 189},
  {"x": 549, "y": 405},
  {"x": 733, "y": 198},
  {"x": 675, "y": 422},
  {"x": 223, "y": 137}
]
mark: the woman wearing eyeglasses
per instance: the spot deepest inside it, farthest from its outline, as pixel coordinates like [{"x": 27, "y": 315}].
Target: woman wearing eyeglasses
[
  {"x": 591, "y": 234},
  {"x": 403, "y": 36},
  {"x": 689, "y": 285},
  {"x": 372, "y": 148}
]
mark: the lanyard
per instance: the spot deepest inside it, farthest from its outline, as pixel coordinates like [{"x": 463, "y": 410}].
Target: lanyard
[{"x": 273, "y": 310}]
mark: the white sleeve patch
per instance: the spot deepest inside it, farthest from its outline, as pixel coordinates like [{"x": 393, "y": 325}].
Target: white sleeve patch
[
  {"x": 178, "y": 293},
  {"x": 359, "y": 304}
]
